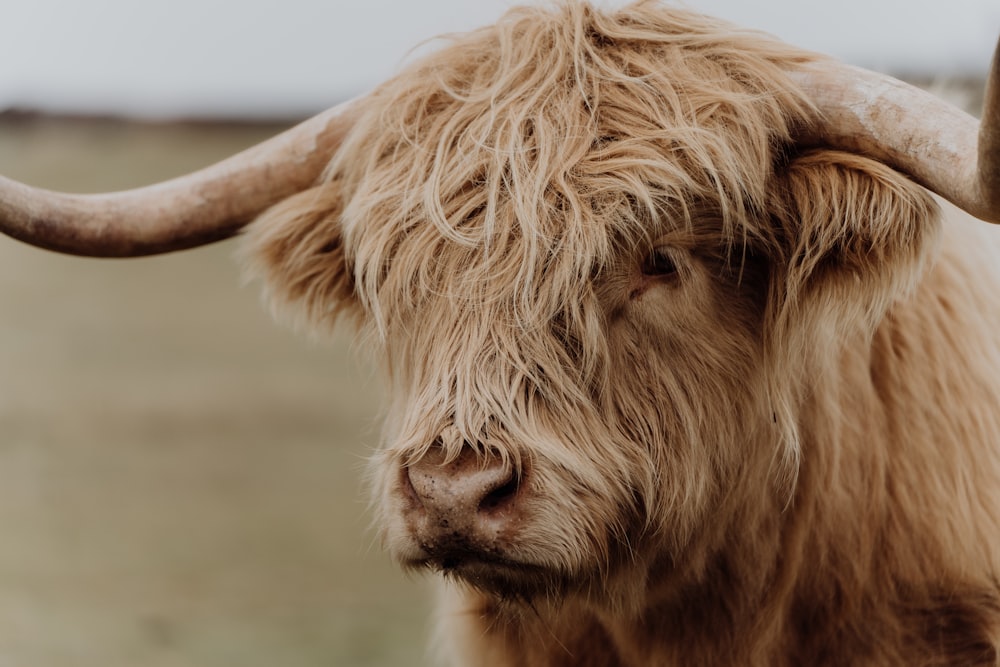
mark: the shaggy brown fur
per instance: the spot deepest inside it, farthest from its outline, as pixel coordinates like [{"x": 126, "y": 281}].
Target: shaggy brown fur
[{"x": 782, "y": 452}]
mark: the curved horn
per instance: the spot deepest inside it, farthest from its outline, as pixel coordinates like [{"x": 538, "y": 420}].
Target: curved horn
[
  {"x": 941, "y": 147},
  {"x": 192, "y": 210}
]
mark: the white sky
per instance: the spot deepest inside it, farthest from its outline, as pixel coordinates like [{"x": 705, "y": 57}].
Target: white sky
[{"x": 168, "y": 57}]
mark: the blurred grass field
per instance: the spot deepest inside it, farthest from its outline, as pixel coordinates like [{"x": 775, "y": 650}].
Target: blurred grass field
[{"x": 180, "y": 477}]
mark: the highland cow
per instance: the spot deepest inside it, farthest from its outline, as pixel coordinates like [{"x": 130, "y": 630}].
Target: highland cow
[{"x": 684, "y": 368}]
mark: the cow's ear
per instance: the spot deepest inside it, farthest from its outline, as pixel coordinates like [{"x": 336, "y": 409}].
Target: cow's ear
[
  {"x": 296, "y": 250},
  {"x": 853, "y": 236}
]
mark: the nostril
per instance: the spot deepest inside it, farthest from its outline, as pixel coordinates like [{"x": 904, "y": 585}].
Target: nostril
[
  {"x": 500, "y": 497},
  {"x": 407, "y": 488}
]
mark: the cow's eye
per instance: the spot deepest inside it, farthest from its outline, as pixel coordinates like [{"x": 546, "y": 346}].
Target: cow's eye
[{"x": 659, "y": 264}]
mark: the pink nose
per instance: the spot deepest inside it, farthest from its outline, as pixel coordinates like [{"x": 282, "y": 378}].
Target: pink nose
[{"x": 463, "y": 506}]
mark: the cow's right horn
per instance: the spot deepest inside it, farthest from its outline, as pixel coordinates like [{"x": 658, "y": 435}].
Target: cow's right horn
[
  {"x": 938, "y": 145},
  {"x": 192, "y": 210}
]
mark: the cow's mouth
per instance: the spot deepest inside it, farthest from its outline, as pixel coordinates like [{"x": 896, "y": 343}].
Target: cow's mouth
[{"x": 499, "y": 576}]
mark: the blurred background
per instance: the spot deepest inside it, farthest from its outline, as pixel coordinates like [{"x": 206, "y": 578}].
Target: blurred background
[{"x": 181, "y": 480}]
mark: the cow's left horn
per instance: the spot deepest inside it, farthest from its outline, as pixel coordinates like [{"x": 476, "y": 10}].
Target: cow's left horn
[
  {"x": 939, "y": 146},
  {"x": 199, "y": 208}
]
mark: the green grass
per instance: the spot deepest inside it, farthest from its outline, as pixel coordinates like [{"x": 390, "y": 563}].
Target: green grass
[{"x": 180, "y": 478}]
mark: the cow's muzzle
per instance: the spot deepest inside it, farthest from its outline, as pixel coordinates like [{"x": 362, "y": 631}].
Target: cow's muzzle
[{"x": 463, "y": 511}]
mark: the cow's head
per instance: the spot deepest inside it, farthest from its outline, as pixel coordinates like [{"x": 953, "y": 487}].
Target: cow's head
[{"x": 603, "y": 255}]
